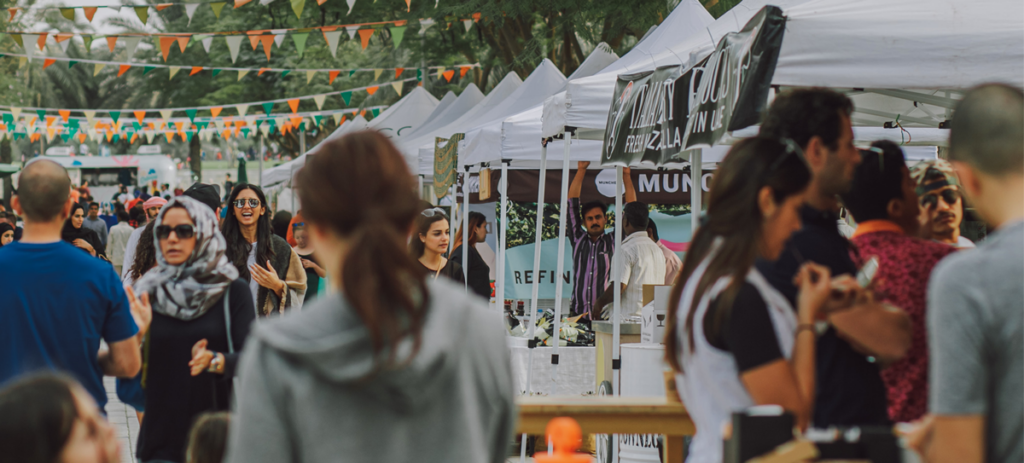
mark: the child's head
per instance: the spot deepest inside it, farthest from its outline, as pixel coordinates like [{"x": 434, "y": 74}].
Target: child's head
[{"x": 208, "y": 438}]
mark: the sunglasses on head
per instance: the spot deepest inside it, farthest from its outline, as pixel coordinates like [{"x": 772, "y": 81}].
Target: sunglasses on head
[
  {"x": 930, "y": 200},
  {"x": 253, "y": 203},
  {"x": 184, "y": 231},
  {"x": 434, "y": 211}
]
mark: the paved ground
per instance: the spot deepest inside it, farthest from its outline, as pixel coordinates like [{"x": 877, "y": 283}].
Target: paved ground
[{"x": 125, "y": 422}]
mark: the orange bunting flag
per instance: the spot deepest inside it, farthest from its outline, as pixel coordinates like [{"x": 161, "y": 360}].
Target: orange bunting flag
[
  {"x": 362, "y": 113},
  {"x": 195, "y": 70},
  {"x": 372, "y": 90},
  {"x": 34, "y": 137},
  {"x": 462, "y": 71},
  {"x": 331, "y": 76},
  {"x": 49, "y": 120},
  {"x": 215, "y": 111},
  {"x": 449, "y": 74},
  {"x": 180, "y": 125},
  {"x": 139, "y": 115},
  {"x": 398, "y": 72},
  {"x": 296, "y": 121},
  {"x": 226, "y": 134},
  {"x": 47, "y": 62},
  {"x": 239, "y": 3},
  {"x": 262, "y": 70},
  {"x": 13, "y": 11},
  {"x": 89, "y": 11},
  {"x": 182, "y": 42},
  {"x": 165, "y": 46},
  {"x": 42, "y": 40},
  {"x": 267, "y": 40},
  {"x": 162, "y": 6},
  {"x": 294, "y": 104},
  {"x": 476, "y": 17},
  {"x": 135, "y": 137},
  {"x": 408, "y": 5},
  {"x": 170, "y": 136},
  {"x": 112, "y": 43},
  {"x": 123, "y": 69},
  {"x": 82, "y": 137},
  {"x": 254, "y": 39},
  {"x": 364, "y": 36},
  {"x": 64, "y": 114}
]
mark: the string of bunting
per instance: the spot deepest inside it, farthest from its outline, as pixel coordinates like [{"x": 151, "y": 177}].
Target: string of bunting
[
  {"x": 142, "y": 10},
  {"x": 446, "y": 72}
]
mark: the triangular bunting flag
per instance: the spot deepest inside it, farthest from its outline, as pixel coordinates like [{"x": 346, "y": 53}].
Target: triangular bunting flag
[
  {"x": 143, "y": 13},
  {"x": 17, "y": 39},
  {"x": 351, "y": 31},
  {"x": 242, "y": 109},
  {"x": 309, "y": 76},
  {"x": 90, "y": 12},
  {"x": 317, "y": 119},
  {"x": 266, "y": 40},
  {"x": 62, "y": 40},
  {"x": 189, "y": 134},
  {"x": 300, "y": 41},
  {"x": 239, "y": 3},
  {"x": 68, "y": 13},
  {"x": 425, "y": 24},
  {"x": 338, "y": 118},
  {"x": 40, "y": 39},
  {"x": 112, "y": 43},
  {"x": 88, "y": 42},
  {"x": 285, "y": 72},
  {"x": 267, "y": 107},
  {"x": 129, "y": 45},
  {"x": 191, "y": 113},
  {"x": 346, "y": 97},
  {"x": 47, "y": 62},
  {"x": 215, "y": 111},
  {"x": 295, "y": 121},
  {"x": 12, "y": 11},
  {"x": 64, "y": 114},
  {"x": 139, "y": 115},
  {"x": 72, "y": 64},
  {"x": 265, "y": 130},
  {"x": 351, "y": 3},
  {"x": 279, "y": 35},
  {"x": 377, "y": 73},
  {"x": 115, "y": 115},
  {"x": 331, "y": 75},
  {"x": 262, "y": 70},
  {"x": 97, "y": 68},
  {"x": 408, "y": 6},
  {"x": 207, "y": 41},
  {"x": 123, "y": 69},
  {"x": 217, "y": 6},
  {"x": 215, "y": 72},
  {"x": 234, "y": 41},
  {"x": 372, "y": 90},
  {"x": 463, "y": 70},
  {"x": 173, "y": 70},
  {"x": 398, "y": 87},
  {"x": 298, "y": 5},
  {"x": 364, "y": 36},
  {"x": 190, "y": 9},
  {"x": 319, "y": 99},
  {"x": 448, "y": 75},
  {"x": 440, "y": 71},
  {"x": 467, "y": 23},
  {"x": 294, "y": 104},
  {"x": 183, "y": 42},
  {"x": 146, "y": 69},
  {"x": 162, "y": 6},
  {"x": 165, "y": 46},
  {"x": 245, "y": 132},
  {"x": 89, "y": 115},
  {"x": 195, "y": 70},
  {"x": 242, "y": 73},
  {"x": 398, "y": 72},
  {"x": 332, "y": 41},
  {"x": 375, "y": 111},
  {"x": 254, "y": 39}
]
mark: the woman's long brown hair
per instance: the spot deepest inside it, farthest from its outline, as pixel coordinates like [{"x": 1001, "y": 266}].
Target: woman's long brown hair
[
  {"x": 475, "y": 220},
  {"x": 360, "y": 187},
  {"x": 734, "y": 216}
]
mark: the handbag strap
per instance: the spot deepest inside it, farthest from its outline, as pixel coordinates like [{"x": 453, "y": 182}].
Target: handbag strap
[{"x": 227, "y": 319}]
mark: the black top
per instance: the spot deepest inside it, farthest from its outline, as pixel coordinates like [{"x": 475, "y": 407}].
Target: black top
[
  {"x": 452, "y": 270},
  {"x": 174, "y": 398},
  {"x": 747, "y": 332},
  {"x": 850, "y": 388},
  {"x": 312, "y": 280},
  {"x": 478, "y": 271}
]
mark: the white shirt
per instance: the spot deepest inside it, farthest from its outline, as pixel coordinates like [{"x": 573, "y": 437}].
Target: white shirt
[
  {"x": 962, "y": 242},
  {"x": 253, "y": 285},
  {"x": 643, "y": 263},
  {"x": 118, "y": 241},
  {"x": 673, "y": 264}
]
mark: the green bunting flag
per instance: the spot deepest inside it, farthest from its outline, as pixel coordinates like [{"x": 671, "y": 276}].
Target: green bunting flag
[
  {"x": 73, "y": 124},
  {"x": 419, "y": 75},
  {"x": 202, "y": 125},
  {"x": 267, "y": 107},
  {"x": 136, "y": 125},
  {"x": 72, "y": 64},
  {"x": 215, "y": 72},
  {"x": 245, "y": 132},
  {"x": 300, "y": 41},
  {"x": 188, "y": 135},
  {"x": 191, "y": 113},
  {"x": 117, "y": 137},
  {"x": 143, "y": 13},
  {"x": 68, "y": 13},
  {"x": 42, "y": 114},
  {"x": 66, "y": 136},
  {"x": 115, "y": 115},
  {"x": 397, "y": 34},
  {"x": 285, "y": 72},
  {"x": 146, "y": 69},
  {"x": 352, "y": 73},
  {"x": 346, "y": 97},
  {"x": 375, "y": 111},
  {"x": 316, "y": 120},
  {"x": 8, "y": 119}
]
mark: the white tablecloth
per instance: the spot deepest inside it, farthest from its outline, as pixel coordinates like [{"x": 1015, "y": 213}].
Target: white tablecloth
[{"x": 576, "y": 370}]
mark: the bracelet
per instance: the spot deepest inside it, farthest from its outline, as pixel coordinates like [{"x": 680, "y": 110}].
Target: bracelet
[
  {"x": 805, "y": 326},
  {"x": 215, "y": 365}
]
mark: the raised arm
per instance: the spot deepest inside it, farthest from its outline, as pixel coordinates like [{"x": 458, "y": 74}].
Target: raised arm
[
  {"x": 577, "y": 181},
  {"x": 629, "y": 192}
]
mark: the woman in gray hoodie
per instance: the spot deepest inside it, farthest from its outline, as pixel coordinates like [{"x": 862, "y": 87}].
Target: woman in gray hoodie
[{"x": 392, "y": 368}]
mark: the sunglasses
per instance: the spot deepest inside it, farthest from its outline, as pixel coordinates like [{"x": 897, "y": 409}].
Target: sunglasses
[
  {"x": 253, "y": 203},
  {"x": 931, "y": 200},
  {"x": 183, "y": 231},
  {"x": 298, "y": 224},
  {"x": 434, "y": 211}
]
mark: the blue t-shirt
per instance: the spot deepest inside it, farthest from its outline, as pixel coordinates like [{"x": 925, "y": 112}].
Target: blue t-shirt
[{"x": 58, "y": 302}]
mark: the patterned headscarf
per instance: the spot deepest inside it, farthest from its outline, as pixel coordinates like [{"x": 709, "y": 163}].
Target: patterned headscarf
[
  {"x": 932, "y": 175},
  {"x": 188, "y": 290}
]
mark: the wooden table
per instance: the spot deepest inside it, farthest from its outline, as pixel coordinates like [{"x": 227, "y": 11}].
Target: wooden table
[{"x": 611, "y": 415}]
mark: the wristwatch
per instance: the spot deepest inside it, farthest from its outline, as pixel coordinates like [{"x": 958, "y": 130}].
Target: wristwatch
[{"x": 217, "y": 364}]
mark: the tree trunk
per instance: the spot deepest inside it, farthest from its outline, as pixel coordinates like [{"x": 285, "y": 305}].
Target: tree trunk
[{"x": 195, "y": 158}]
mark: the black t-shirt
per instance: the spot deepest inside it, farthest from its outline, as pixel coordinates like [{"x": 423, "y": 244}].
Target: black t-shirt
[
  {"x": 174, "y": 398},
  {"x": 451, "y": 269},
  {"x": 747, "y": 331},
  {"x": 312, "y": 280},
  {"x": 850, "y": 388},
  {"x": 478, "y": 271}
]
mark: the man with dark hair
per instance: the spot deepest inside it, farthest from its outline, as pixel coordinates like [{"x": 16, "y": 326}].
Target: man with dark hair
[
  {"x": 119, "y": 236},
  {"x": 641, "y": 261},
  {"x": 883, "y": 201},
  {"x": 592, "y": 248},
  {"x": 858, "y": 333},
  {"x": 61, "y": 302},
  {"x": 942, "y": 208},
  {"x": 95, "y": 223},
  {"x": 673, "y": 264},
  {"x": 975, "y": 299}
]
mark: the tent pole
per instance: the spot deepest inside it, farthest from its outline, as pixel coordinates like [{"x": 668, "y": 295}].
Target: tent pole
[
  {"x": 563, "y": 206},
  {"x": 502, "y": 232},
  {"x": 696, "y": 175},
  {"x": 465, "y": 228},
  {"x": 617, "y": 291},
  {"x": 537, "y": 242},
  {"x": 451, "y": 220}
]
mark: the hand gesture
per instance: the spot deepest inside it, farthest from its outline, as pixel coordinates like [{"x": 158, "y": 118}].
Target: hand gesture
[
  {"x": 306, "y": 263},
  {"x": 201, "y": 358},
  {"x": 582, "y": 165},
  {"x": 141, "y": 310},
  {"x": 845, "y": 292},
  {"x": 267, "y": 278},
  {"x": 84, "y": 245},
  {"x": 815, "y": 285}
]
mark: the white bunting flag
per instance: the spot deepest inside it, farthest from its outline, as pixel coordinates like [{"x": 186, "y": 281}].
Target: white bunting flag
[
  {"x": 174, "y": 70},
  {"x": 278, "y": 36},
  {"x": 351, "y": 3},
  {"x": 166, "y": 115},
  {"x": 351, "y": 31},
  {"x": 233, "y": 43},
  {"x": 97, "y": 68},
  {"x": 309, "y": 76},
  {"x": 319, "y": 99},
  {"x": 190, "y": 9},
  {"x": 468, "y": 23},
  {"x": 425, "y": 24},
  {"x": 130, "y": 44},
  {"x": 337, "y": 118},
  {"x": 332, "y": 41},
  {"x": 207, "y": 42},
  {"x": 242, "y": 73},
  {"x": 242, "y": 109},
  {"x": 398, "y": 87}
]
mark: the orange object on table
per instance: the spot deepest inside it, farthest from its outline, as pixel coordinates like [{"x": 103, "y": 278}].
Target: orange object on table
[{"x": 566, "y": 437}]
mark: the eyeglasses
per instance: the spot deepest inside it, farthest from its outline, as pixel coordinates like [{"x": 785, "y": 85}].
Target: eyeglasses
[
  {"x": 184, "y": 231},
  {"x": 253, "y": 203},
  {"x": 791, "y": 148},
  {"x": 434, "y": 211},
  {"x": 298, "y": 224},
  {"x": 949, "y": 195}
]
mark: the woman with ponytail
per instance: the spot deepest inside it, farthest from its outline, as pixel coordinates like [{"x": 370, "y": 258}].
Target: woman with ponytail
[
  {"x": 396, "y": 366},
  {"x": 736, "y": 342}
]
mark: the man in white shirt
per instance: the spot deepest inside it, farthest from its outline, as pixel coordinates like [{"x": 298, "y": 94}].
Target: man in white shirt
[
  {"x": 642, "y": 263},
  {"x": 119, "y": 235}
]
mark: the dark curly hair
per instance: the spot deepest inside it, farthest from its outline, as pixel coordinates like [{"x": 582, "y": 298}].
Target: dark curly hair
[{"x": 145, "y": 253}]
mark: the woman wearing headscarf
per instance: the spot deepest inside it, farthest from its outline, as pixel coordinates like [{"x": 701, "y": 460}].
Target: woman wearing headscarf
[
  {"x": 6, "y": 233},
  {"x": 82, "y": 237},
  {"x": 201, "y": 318},
  {"x": 277, "y": 279}
]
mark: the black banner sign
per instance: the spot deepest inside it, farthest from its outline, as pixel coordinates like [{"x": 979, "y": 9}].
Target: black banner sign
[
  {"x": 634, "y": 124},
  {"x": 652, "y": 186}
]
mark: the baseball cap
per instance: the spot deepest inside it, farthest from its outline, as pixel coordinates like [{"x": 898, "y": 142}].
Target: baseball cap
[
  {"x": 205, "y": 194},
  {"x": 932, "y": 175}
]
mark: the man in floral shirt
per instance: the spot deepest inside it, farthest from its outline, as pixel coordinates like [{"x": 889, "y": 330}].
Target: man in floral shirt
[{"x": 884, "y": 202}]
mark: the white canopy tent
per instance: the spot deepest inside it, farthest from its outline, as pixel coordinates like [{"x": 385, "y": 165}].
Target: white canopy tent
[
  {"x": 440, "y": 117},
  {"x": 282, "y": 174},
  {"x": 406, "y": 115}
]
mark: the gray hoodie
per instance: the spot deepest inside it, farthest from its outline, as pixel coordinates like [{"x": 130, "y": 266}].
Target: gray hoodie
[{"x": 304, "y": 396}]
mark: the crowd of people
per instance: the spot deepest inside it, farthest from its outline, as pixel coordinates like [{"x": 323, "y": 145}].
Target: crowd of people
[{"x": 215, "y": 317}]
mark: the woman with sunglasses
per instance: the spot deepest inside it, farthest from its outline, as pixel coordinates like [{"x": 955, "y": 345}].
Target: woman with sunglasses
[
  {"x": 430, "y": 243},
  {"x": 277, "y": 279},
  {"x": 304, "y": 248},
  {"x": 201, "y": 317},
  {"x": 737, "y": 342}
]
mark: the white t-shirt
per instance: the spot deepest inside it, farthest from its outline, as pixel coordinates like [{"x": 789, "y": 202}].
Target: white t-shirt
[
  {"x": 962, "y": 242},
  {"x": 253, "y": 285},
  {"x": 643, "y": 263}
]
